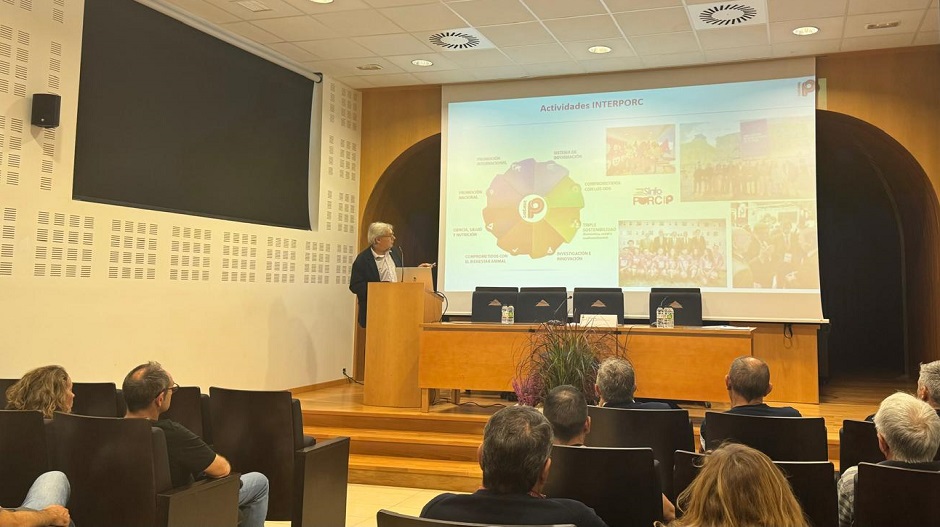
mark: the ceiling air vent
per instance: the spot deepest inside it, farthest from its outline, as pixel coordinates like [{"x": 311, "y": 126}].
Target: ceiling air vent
[
  {"x": 728, "y": 14},
  {"x": 459, "y": 39}
]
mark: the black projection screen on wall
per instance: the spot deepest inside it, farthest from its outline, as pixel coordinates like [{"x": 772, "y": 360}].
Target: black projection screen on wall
[{"x": 173, "y": 119}]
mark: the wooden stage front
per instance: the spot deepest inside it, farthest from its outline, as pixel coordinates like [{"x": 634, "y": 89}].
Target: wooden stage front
[{"x": 437, "y": 450}]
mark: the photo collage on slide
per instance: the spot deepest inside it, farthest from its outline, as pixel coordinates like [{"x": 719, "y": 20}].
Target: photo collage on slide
[{"x": 759, "y": 167}]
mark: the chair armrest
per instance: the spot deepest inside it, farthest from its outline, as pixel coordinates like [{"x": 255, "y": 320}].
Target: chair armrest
[
  {"x": 321, "y": 474},
  {"x": 207, "y": 503}
]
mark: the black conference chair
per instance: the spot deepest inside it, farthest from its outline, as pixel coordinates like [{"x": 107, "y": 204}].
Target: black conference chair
[
  {"x": 190, "y": 408},
  {"x": 858, "y": 442},
  {"x": 781, "y": 438},
  {"x": 620, "y": 484},
  {"x": 120, "y": 477},
  {"x": 262, "y": 431},
  {"x": 813, "y": 484},
  {"x": 4, "y": 384},
  {"x": 23, "y": 454},
  {"x": 889, "y": 496},
  {"x": 97, "y": 399},
  {"x": 665, "y": 431},
  {"x": 385, "y": 518},
  {"x": 685, "y": 468}
]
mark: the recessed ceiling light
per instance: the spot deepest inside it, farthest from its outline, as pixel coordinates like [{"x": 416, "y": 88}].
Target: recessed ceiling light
[
  {"x": 805, "y": 31},
  {"x": 253, "y": 5},
  {"x": 322, "y": 1},
  {"x": 369, "y": 67},
  {"x": 883, "y": 25},
  {"x": 600, "y": 50},
  {"x": 422, "y": 62}
]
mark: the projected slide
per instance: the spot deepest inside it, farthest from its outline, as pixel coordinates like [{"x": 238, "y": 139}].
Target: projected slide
[{"x": 708, "y": 186}]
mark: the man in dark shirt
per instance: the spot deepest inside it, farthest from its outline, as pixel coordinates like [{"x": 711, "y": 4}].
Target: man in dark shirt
[
  {"x": 514, "y": 456},
  {"x": 148, "y": 391},
  {"x": 566, "y": 409},
  {"x": 748, "y": 382},
  {"x": 616, "y": 384}
]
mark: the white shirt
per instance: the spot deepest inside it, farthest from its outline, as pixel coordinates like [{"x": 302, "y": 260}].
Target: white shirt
[{"x": 386, "y": 265}]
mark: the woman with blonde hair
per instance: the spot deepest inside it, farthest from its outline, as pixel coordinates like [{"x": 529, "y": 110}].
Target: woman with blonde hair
[
  {"x": 47, "y": 389},
  {"x": 739, "y": 487}
]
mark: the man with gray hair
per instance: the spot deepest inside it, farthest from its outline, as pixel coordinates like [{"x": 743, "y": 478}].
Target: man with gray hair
[
  {"x": 515, "y": 458},
  {"x": 377, "y": 263},
  {"x": 928, "y": 384},
  {"x": 908, "y": 436},
  {"x": 616, "y": 384}
]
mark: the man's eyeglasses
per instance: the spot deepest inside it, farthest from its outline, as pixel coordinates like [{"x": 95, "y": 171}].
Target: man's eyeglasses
[{"x": 173, "y": 388}]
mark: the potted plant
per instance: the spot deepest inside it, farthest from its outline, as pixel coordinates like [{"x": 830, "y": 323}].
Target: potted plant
[{"x": 562, "y": 354}]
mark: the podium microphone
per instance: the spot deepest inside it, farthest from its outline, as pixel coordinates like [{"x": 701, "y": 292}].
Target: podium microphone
[{"x": 554, "y": 320}]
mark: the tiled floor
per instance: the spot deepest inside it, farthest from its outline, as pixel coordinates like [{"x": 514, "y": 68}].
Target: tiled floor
[{"x": 363, "y": 501}]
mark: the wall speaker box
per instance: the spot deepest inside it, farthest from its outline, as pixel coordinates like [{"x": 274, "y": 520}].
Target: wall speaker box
[{"x": 46, "y": 110}]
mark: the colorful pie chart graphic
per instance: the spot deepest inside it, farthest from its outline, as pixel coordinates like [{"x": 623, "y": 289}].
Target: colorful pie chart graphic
[{"x": 533, "y": 208}]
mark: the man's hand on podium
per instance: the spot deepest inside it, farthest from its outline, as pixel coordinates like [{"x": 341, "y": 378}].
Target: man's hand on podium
[{"x": 428, "y": 265}]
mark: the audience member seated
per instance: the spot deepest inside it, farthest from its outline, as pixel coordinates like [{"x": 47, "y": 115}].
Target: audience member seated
[
  {"x": 47, "y": 389},
  {"x": 748, "y": 382},
  {"x": 148, "y": 390},
  {"x": 739, "y": 486},
  {"x": 514, "y": 456},
  {"x": 928, "y": 386},
  {"x": 44, "y": 504},
  {"x": 616, "y": 384},
  {"x": 908, "y": 435},
  {"x": 566, "y": 409}
]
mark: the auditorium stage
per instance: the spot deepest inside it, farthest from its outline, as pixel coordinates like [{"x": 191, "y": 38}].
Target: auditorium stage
[{"x": 406, "y": 447}]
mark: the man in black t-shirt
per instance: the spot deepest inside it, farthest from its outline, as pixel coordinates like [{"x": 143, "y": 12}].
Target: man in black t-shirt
[
  {"x": 148, "y": 390},
  {"x": 748, "y": 382},
  {"x": 514, "y": 456}
]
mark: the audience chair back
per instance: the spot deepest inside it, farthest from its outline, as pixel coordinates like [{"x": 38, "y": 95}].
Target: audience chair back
[
  {"x": 781, "y": 438},
  {"x": 23, "y": 454},
  {"x": 889, "y": 496},
  {"x": 4, "y": 384},
  {"x": 262, "y": 431},
  {"x": 190, "y": 408},
  {"x": 97, "y": 399},
  {"x": 858, "y": 441},
  {"x": 813, "y": 484},
  {"x": 386, "y": 518},
  {"x": 120, "y": 477},
  {"x": 620, "y": 484},
  {"x": 665, "y": 431}
]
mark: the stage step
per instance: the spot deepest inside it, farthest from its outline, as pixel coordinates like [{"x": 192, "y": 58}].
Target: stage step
[
  {"x": 416, "y": 421},
  {"x": 457, "y": 476},
  {"x": 404, "y": 443}
]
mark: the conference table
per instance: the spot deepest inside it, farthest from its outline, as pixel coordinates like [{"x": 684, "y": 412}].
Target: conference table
[{"x": 681, "y": 363}]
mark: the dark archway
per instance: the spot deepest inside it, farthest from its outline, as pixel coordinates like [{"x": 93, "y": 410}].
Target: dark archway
[
  {"x": 871, "y": 227},
  {"x": 408, "y": 195}
]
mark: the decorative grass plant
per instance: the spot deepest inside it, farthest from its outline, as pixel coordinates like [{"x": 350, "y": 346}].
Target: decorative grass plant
[{"x": 559, "y": 355}]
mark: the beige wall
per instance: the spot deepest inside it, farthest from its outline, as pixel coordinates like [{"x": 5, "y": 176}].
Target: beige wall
[
  {"x": 895, "y": 90},
  {"x": 100, "y": 288}
]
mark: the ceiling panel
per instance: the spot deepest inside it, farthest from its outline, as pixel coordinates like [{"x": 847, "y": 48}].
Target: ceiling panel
[{"x": 533, "y": 38}]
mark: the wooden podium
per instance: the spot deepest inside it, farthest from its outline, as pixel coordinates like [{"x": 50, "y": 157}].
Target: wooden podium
[{"x": 393, "y": 335}]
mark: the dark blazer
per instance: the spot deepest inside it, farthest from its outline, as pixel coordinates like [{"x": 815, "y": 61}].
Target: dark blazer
[{"x": 364, "y": 271}]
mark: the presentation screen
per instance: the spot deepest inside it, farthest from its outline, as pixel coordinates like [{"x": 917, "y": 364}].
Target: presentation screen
[{"x": 710, "y": 186}]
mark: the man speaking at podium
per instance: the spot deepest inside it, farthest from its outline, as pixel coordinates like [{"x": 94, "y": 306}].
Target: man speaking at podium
[{"x": 377, "y": 263}]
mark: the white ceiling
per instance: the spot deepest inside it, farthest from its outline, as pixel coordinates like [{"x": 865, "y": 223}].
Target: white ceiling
[{"x": 537, "y": 38}]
